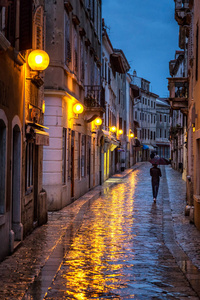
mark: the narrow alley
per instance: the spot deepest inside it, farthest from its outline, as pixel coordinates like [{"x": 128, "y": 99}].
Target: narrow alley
[{"x": 119, "y": 245}]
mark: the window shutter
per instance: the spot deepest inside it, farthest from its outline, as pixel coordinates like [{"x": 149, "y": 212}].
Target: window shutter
[
  {"x": 68, "y": 57},
  {"x": 25, "y": 38},
  {"x": 11, "y": 23},
  {"x": 38, "y": 28}
]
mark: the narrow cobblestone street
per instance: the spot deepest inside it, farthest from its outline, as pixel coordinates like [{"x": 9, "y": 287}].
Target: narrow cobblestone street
[{"x": 113, "y": 243}]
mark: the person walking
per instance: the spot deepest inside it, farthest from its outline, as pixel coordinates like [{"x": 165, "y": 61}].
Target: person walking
[{"x": 155, "y": 173}]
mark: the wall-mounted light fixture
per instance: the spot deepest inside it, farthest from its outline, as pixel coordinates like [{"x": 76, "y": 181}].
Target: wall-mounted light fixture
[
  {"x": 131, "y": 135},
  {"x": 120, "y": 131},
  {"x": 77, "y": 109},
  {"x": 43, "y": 106},
  {"x": 98, "y": 121},
  {"x": 38, "y": 60},
  {"x": 113, "y": 129}
]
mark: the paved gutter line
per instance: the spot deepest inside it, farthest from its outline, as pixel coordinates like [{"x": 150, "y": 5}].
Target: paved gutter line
[{"x": 190, "y": 271}]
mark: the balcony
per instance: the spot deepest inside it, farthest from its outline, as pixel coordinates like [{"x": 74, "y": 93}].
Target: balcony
[
  {"x": 94, "y": 100},
  {"x": 178, "y": 88},
  {"x": 182, "y": 12}
]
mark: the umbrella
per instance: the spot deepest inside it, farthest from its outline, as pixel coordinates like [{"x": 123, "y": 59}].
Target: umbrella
[{"x": 159, "y": 161}]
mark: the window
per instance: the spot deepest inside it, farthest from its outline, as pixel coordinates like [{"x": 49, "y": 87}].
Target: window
[
  {"x": 109, "y": 76},
  {"x": 64, "y": 155},
  {"x": 2, "y": 166},
  {"x": 29, "y": 165},
  {"x": 148, "y": 102},
  {"x": 160, "y": 118},
  {"x": 154, "y": 117},
  {"x": 165, "y": 118},
  {"x": 75, "y": 58},
  {"x": 82, "y": 64},
  {"x": 135, "y": 115},
  {"x": 68, "y": 56}
]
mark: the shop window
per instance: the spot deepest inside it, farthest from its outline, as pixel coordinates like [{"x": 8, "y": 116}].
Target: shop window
[{"x": 2, "y": 166}]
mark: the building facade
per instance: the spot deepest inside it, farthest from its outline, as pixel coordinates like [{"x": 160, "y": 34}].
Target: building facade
[
  {"x": 72, "y": 160},
  {"x": 178, "y": 128},
  {"x": 22, "y": 135},
  {"x": 163, "y": 127},
  {"x": 145, "y": 115}
]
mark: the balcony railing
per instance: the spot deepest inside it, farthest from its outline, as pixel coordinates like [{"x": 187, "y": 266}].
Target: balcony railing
[
  {"x": 182, "y": 12},
  {"x": 178, "y": 88},
  {"x": 94, "y": 96}
]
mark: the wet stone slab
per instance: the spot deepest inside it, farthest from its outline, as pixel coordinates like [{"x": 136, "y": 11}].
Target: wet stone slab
[{"x": 119, "y": 245}]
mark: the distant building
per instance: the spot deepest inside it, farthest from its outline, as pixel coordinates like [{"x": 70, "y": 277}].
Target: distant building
[
  {"x": 163, "y": 127},
  {"x": 145, "y": 116}
]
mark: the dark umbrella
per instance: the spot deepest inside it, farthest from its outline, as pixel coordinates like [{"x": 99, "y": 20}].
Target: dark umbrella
[{"x": 159, "y": 161}]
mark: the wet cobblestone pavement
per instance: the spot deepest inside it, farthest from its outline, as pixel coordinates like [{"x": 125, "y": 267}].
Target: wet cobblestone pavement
[{"x": 117, "y": 245}]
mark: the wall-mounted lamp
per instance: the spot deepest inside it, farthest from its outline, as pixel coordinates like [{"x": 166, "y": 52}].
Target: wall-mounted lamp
[
  {"x": 120, "y": 131},
  {"x": 113, "y": 129},
  {"x": 38, "y": 60},
  {"x": 131, "y": 135},
  {"x": 98, "y": 121},
  {"x": 77, "y": 109},
  {"x": 43, "y": 106}
]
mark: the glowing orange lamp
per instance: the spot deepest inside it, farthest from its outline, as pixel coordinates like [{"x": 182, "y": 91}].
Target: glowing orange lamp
[
  {"x": 38, "y": 60},
  {"x": 98, "y": 121}
]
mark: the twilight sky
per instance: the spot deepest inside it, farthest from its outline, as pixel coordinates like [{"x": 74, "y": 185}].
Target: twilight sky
[{"x": 147, "y": 33}]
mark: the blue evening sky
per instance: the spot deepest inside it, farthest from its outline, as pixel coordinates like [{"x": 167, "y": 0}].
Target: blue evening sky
[{"x": 147, "y": 33}]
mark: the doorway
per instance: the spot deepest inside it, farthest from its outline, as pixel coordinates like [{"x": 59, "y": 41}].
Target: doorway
[
  {"x": 16, "y": 175},
  {"x": 72, "y": 163}
]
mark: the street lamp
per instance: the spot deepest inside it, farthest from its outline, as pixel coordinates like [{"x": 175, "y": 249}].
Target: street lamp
[
  {"x": 38, "y": 60},
  {"x": 98, "y": 121},
  {"x": 113, "y": 129}
]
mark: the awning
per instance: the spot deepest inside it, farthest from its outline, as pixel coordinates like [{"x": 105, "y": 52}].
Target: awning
[{"x": 36, "y": 132}]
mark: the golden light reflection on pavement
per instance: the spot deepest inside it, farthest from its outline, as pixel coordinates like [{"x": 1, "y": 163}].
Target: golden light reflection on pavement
[{"x": 94, "y": 264}]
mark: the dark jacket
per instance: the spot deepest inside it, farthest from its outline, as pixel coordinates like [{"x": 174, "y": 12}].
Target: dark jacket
[{"x": 156, "y": 174}]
